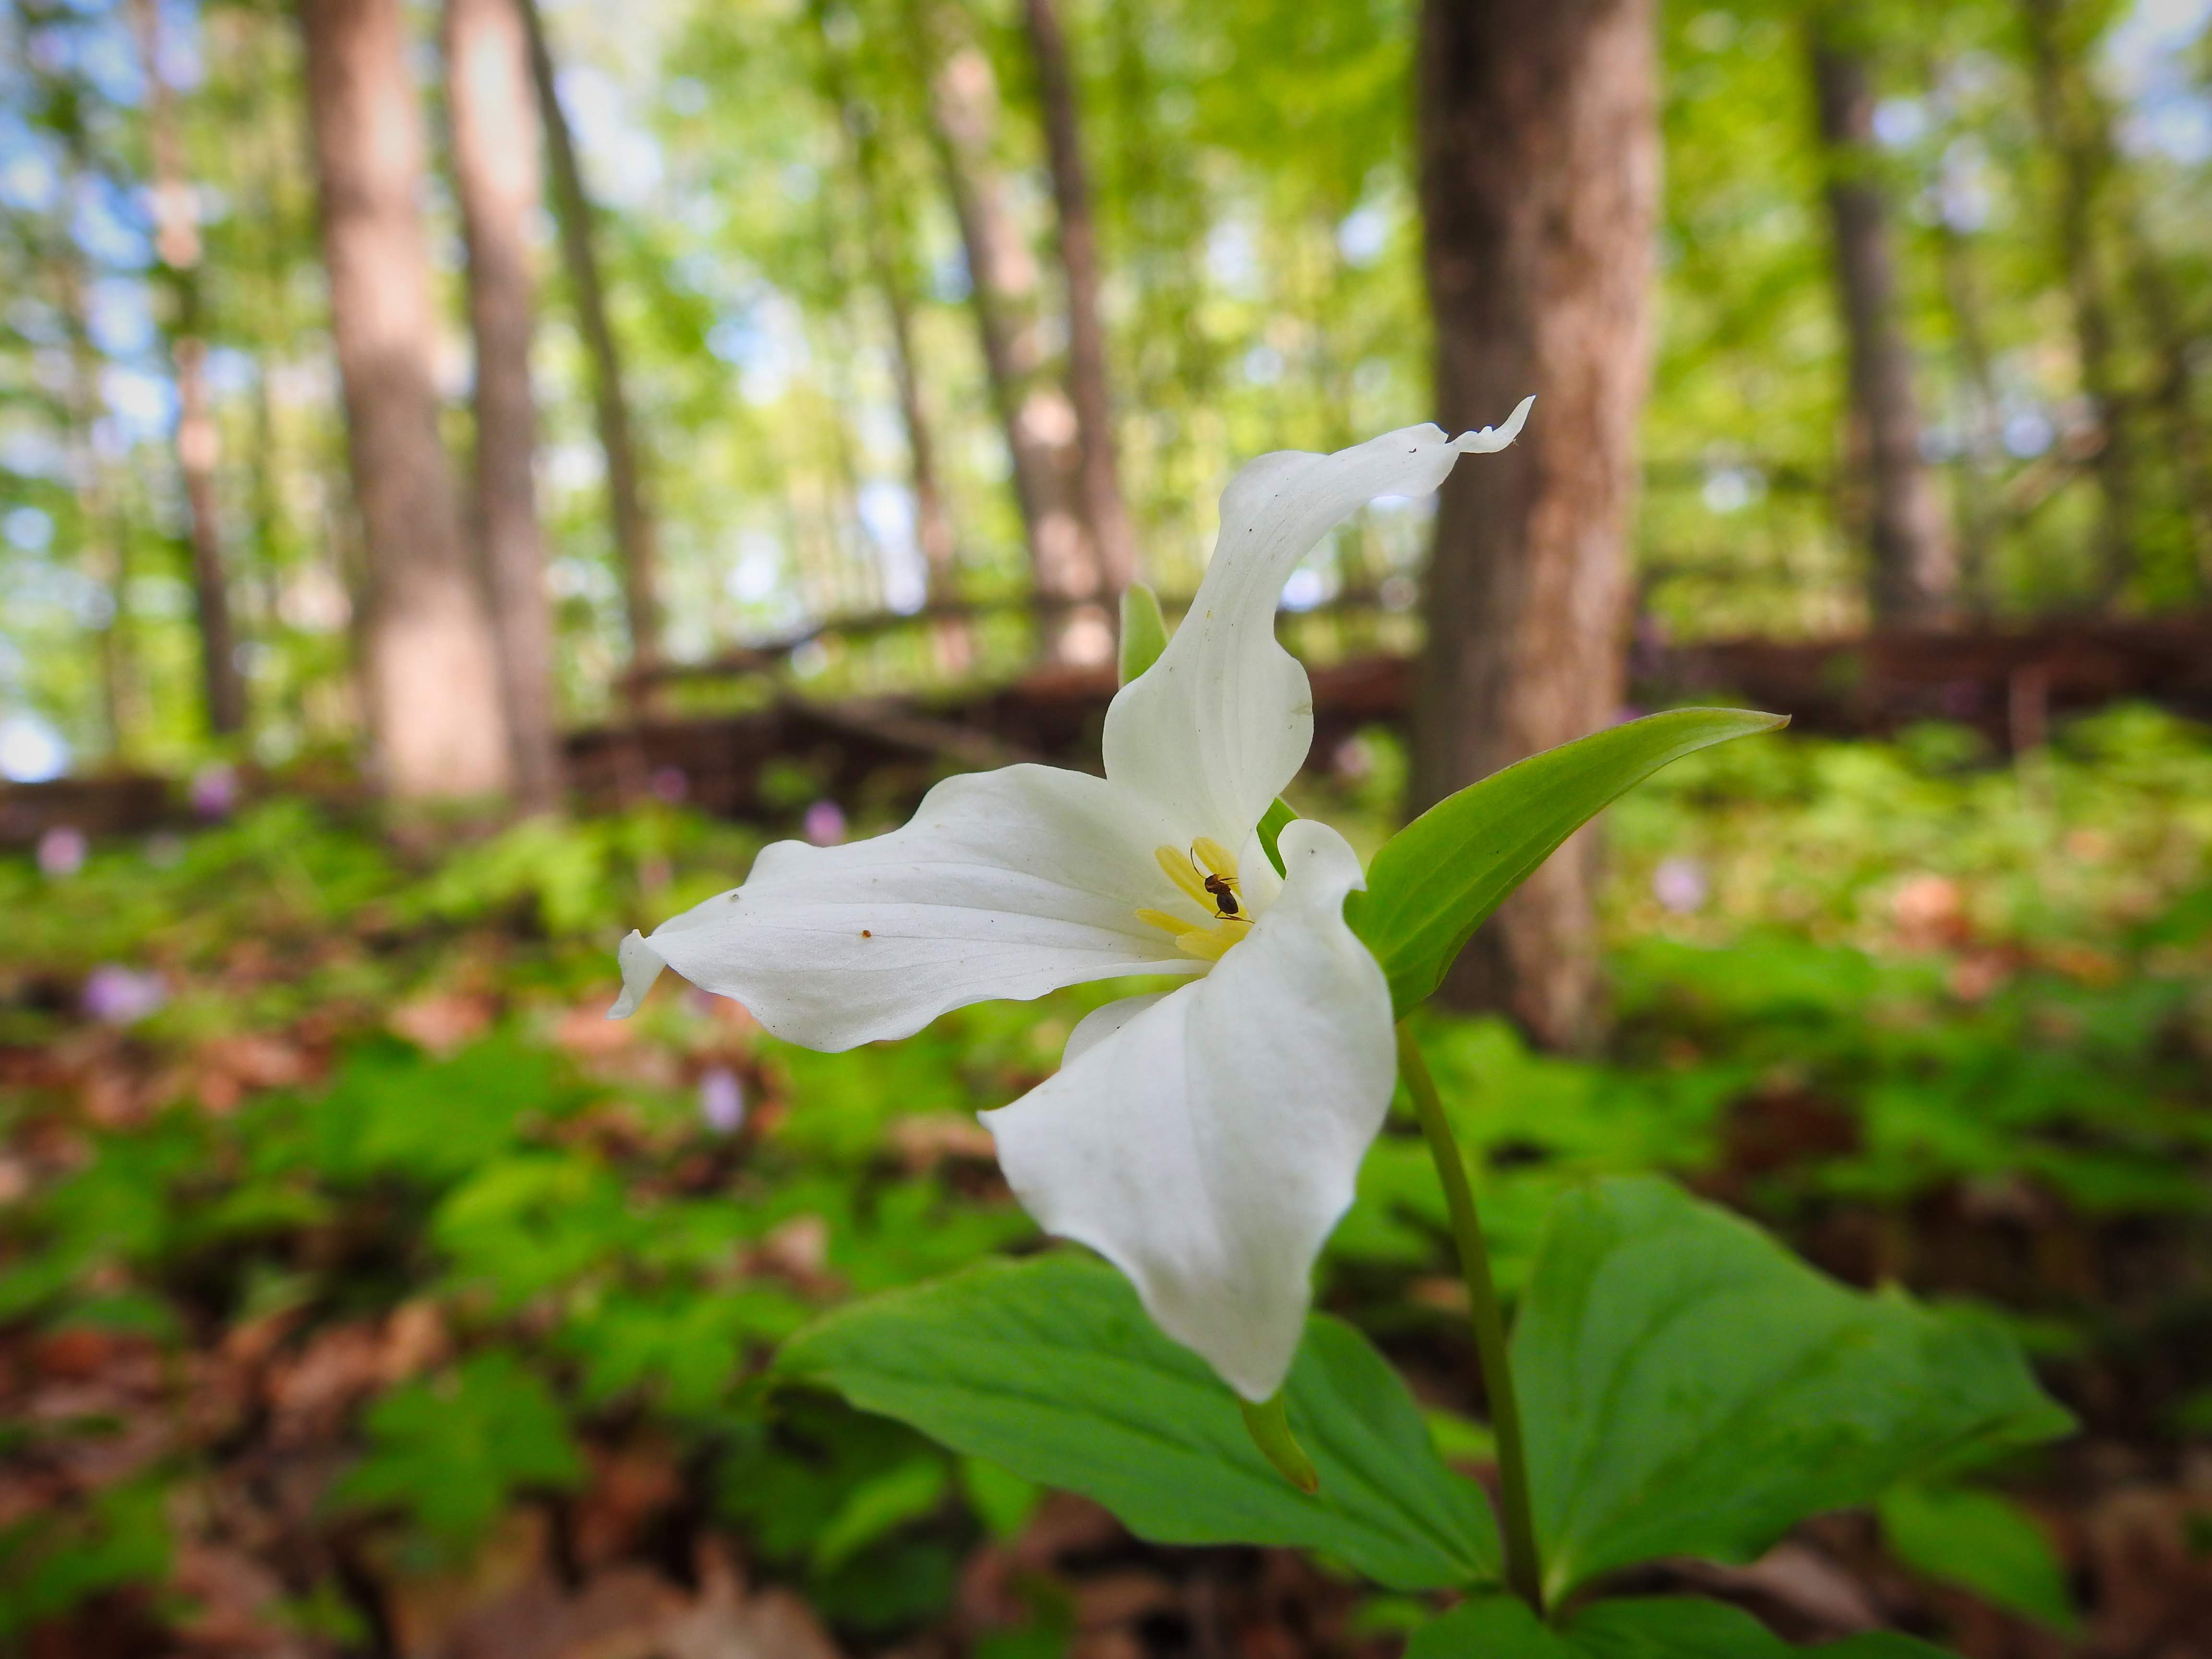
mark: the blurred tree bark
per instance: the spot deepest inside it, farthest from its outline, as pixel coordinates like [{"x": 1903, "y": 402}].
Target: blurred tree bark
[
  {"x": 1539, "y": 186},
  {"x": 2071, "y": 130},
  {"x": 887, "y": 268},
  {"x": 434, "y": 666},
  {"x": 636, "y": 539},
  {"x": 1913, "y": 564},
  {"x": 177, "y": 244},
  {"x": 1040, "y": 425},
  {"x": 489, "y": 100},
  {"x": 1087, "y": 380}
]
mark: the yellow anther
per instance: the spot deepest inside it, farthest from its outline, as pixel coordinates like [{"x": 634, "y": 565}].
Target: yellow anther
[
  {"x": 1215, "y": 857},
  {"x": 1176, "y": 925},
  {"x": 1185, "y": 875}
]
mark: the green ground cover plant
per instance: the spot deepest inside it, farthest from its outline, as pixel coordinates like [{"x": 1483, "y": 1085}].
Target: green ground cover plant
[{"x": 1941, "y": 1021}]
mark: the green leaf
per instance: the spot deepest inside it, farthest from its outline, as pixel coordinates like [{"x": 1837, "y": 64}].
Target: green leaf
[
  {"x": 1144, "y": 630},
  {"x": 1050, "y": 1368},
  {"x": 1671, "y": 1627},
  {"x": 1490, "y": 1627},
  {"x": 449, "y": 1449},
  {"x": 1693, "y": 1389},
  {"x": 1982, "y": 1542},
  {"x": 1684, "y": 1627},
  {"x": 907, "y": 1492},
  {"x": 1437, "y": 880}
]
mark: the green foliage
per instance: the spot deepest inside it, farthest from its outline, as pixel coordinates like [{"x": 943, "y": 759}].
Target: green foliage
[
  {"x": 1051, "y": 1368},
  {"x": 447, "y": 1451},
  {"x": 1982, "y": 1541},
  {"x": 1499, "y": 1627},
  {"x": 53, "y": 1560},
  {"x": 1436, "y": 881},
  {"x": 1144, "y": 630},
  {"x": 1693, "y": 1388}
]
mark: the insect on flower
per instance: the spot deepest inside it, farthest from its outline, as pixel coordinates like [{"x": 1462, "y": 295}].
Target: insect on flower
[{"x": 1205, "y": 1137}]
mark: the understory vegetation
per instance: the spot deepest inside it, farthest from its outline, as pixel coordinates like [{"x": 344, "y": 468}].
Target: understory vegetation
[{"x": 352, "y": 1258}]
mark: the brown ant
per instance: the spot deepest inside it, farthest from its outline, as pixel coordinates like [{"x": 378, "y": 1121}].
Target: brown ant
[{"x": 1222, "y": 890}]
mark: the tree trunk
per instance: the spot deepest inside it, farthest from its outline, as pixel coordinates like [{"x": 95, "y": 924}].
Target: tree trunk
[
  {"x": 490, "y": 102},
  {"x": 1912, "y": 571},
  {"x": 637, "y": 542},
  {"x": 99, "y": 538},
  {"x": 434, "y": 666},
  {"x": 933, "y": 529},
  {"x": 1087, "y": 377},
  {"x": 1040, "y": 425},
  {"x": 2067, "y": 130},
  {"x": 177, "y": 241},
  {"x": 1538, "y": 185}
]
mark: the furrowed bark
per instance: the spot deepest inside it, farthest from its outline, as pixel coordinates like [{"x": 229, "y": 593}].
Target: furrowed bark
[
  {"x": 636, "y": 537},
  {"x": 1539, "y": 187},
  {"x": 1912, "y": 565},
  {"x": 491, "y": 101},
  {"x": 433, "y": 669}
]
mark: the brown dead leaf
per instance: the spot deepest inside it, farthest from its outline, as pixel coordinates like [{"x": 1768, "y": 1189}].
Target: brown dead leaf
[
  {"x": 442, "y": 1021},
  {"x": 587, "y": 1033},
  {"x": 627, "y": 1487},
  {"x": 928, "y": 1139}
]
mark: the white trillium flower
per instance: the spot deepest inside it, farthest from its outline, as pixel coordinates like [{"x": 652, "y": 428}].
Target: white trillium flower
[{"x": 1205, "y": 1139}]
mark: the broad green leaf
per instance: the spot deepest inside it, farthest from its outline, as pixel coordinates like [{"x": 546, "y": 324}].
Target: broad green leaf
[
  {"x": 1050, "y": 1368},
  {"x": 1690, "y": 1388},
  {"x": 1672, "y": 1627},
  {"x": 1982, "y": 1542},
  {"x": 1144, "y": 630},
  {"x": 1490, "y": 1627},
  {"x": 1437, "y": 880},
  {"x": 1685, "y": 1627}
]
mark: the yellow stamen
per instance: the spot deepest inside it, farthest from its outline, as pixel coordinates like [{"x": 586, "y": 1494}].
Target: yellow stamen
[
  {"x": 1173, "y": 926},
  {"x": 1179, "y": 871},
  {"x": 1207, "y": 944},
  {"x": 1215, "y": 857}
]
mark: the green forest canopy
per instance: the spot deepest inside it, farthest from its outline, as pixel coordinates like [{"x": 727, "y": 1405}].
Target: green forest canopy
[{"x": 1261, "y": 248}]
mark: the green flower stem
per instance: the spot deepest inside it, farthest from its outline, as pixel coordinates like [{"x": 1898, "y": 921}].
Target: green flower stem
[{"x": 1524, "y": 1574}]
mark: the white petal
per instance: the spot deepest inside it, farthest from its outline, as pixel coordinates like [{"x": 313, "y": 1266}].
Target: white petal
[
  {"x": 641, "y": 965},
  {"x": 1492, "y": 438},
  {"x": 1095, "y": 1027},
  {"x": 1215, "y": 728},
  {"x": 1006, "y": 884},
  {"x": 1208, "y": 1146}
]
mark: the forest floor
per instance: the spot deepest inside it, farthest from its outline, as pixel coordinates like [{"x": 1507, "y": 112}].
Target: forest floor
[{"x": 363, "y": 1290}]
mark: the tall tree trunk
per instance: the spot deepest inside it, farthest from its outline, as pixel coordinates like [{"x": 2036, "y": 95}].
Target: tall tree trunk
[
  {"x": 434, "y": 666},
  {"x": 1088, "y": 380},
  {"x": 1040, "y": 425},
  {"x": 1913, "y": 575},
  {"x": 2071, "y": 133},
  {"x": 491, "y": 101},
  {"x": 933, "y": 529},
  {"x": 177, "y": 241},
  {"x": 636, "y": 541},
  {"x": 1538, "y": 185}
]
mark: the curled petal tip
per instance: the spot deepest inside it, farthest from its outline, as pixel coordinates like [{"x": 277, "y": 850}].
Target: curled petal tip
[
  {"x": 1492, "y": 438},
  {"x": 641, "y": 965}
]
